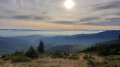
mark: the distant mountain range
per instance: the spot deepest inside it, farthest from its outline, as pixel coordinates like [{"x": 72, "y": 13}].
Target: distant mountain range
[
  {"x": 10, "y": 44},
  {"x": 44, "y": 30},
  {"x": 81, "y": 39},
  {"x": 30, "y": 38},
  {"x": 20, "y": 30}
]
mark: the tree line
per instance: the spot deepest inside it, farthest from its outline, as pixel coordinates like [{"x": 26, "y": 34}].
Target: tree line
[
  {"x": 21, "y": 56},
  {"x": 106, "y": 49},
  {"x": 34, "y": 53}
]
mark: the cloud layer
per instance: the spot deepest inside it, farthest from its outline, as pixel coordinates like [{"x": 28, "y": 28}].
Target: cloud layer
[{"x": 50, "y": 14}]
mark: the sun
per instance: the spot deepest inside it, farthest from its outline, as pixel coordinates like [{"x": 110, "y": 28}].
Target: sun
[{"x": 69, "y": 4}]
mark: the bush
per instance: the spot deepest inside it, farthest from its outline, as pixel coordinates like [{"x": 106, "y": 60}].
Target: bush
[
  {"x": 58, "y": 54},
  {"x": 18, "y": 53},
  {"x": 74, "y": 56},
  {"x": 32, "y": 53},
  {"x": 112, "y": 57},
  {"x": 91, "y": 61},
  {"x": 42, "y": 55},
  {"x": 21, "y": 59},
  {"x": 16, "y": 58},
  {"x": 111, "y": 65},
  {"x": 6, "y": 57},
  {"x": 65, "y": 55},
  {"x": 88, "y": 57}
]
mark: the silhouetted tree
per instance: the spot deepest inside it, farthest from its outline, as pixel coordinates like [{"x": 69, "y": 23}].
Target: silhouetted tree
[
  {"x": 119, "y": 37},
  {"x": 32, "y": 53},
  {"x": 18, "y": 52},
  {"x": 40, "y": 48}
]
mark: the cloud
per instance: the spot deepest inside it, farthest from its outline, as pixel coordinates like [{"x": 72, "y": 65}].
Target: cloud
[
  {"x": 24, "y": 17},
  {"x": 5, "y": 1},
  {"x": 29, "y": 17},
  {"x": 108, "y": 5},
  {"x": 53, "y": 12},
  {"x": 89, "y": 19},
  {"x": 107, "y": 22},
  {"x": 117, "y": 13},
  {"x": 63, "y": 22},
  {"x": 19, "y": 3},
  {"x": 39, "y": 18}
]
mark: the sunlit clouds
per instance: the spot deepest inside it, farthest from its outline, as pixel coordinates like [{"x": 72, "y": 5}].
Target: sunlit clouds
[{"x": 60, "y": 14}]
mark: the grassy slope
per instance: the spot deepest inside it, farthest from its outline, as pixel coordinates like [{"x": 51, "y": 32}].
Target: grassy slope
[{"x": 49, "y": 62}]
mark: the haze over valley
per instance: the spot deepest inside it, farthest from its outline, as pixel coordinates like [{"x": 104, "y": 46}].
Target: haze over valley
[{"x": 59, "y": 33}]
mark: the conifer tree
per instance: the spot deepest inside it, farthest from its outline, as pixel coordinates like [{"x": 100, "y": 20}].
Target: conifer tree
[
  {"x": 32, "y": 53},
  {"x": 119, "y": 37},
  {"x": 40, "y": 48}
]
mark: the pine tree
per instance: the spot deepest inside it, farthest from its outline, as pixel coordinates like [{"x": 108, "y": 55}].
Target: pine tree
[
  {"x": 32, "y": 53},
  {"x": 41, "y": 47},
  {"x": 119, "y": 37}
]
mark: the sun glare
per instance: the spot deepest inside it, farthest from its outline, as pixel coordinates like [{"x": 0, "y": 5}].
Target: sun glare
[{"x": 69, "y": 4}]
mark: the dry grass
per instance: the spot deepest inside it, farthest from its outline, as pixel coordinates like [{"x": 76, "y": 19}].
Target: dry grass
[{"x": 49, "y": 62}]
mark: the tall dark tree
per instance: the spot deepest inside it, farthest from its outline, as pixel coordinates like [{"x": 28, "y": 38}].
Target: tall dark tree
[
  {"x": 32, "y": 53},
  {"x": 40, "y": 48},
  {"x": 119, "y": 37}
]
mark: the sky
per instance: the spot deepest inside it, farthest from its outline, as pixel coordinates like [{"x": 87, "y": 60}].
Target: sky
[{"x": 53, "y": 15}]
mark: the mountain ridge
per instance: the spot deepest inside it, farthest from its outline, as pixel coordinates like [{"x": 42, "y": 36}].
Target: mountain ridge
[
  {"x": 82, "y": 39},
  {"x": 20, "y": 42}
]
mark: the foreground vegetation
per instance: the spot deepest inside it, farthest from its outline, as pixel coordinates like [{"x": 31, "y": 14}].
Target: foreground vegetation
[
  {"x": 20, "y": 56},
  {"x": 85, "y": 60},
  {"x": 51, "y": 62},
  {"x": 101, "y": 55}
]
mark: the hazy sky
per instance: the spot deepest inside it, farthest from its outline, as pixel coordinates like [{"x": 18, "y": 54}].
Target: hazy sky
[{"x": 53, "y": 15}]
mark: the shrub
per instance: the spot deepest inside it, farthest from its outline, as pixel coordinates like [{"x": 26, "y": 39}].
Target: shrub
[
  {"x": 42, "y": 55},
  {"x": 16, "y": 58},
  {"x": 21, "y": 59},
  {"x": 32, "y": 53},
  {"x": 87, "y": 57},
  {"x": 18, "y": 53},
  {"x": 65, "y": 55},
  {"x": 111, "y": 65},
  {"x": 90, "y": 62},
  {"x": 6, "y": 57},
  {"x": 74, "y": 56},
  {"x": 58, "y": 54}
]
